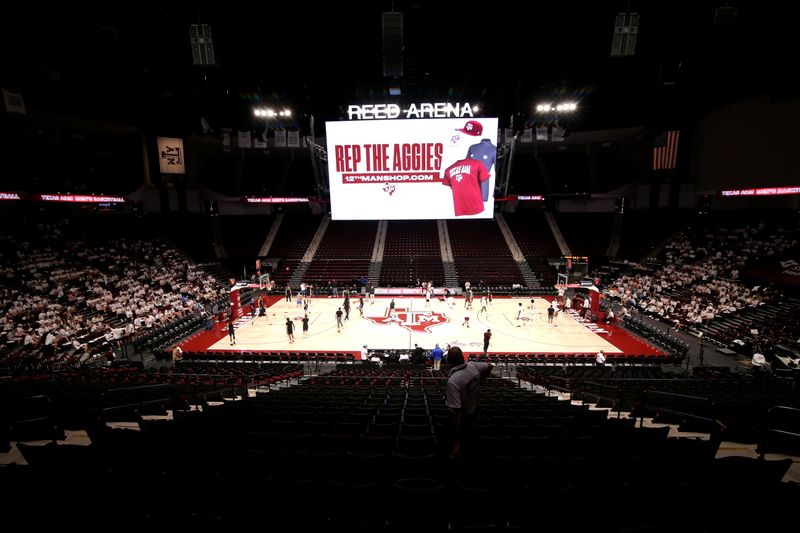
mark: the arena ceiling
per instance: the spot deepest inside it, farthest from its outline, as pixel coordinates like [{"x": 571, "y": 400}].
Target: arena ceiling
[{"x": 131, "y": 63}]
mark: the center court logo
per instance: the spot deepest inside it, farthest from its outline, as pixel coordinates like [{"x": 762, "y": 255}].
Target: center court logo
[{"x": 418, "y": 321}]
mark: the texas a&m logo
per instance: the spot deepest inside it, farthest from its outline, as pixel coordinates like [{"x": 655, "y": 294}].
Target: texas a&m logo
[{"x": 419, "y": 321}]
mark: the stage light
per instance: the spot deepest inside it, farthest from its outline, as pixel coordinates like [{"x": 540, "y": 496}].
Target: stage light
[{"x": 563, "y": 107}]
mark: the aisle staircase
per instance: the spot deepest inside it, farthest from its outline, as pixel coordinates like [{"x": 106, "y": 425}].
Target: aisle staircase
[
  {"x": 450, "y": 274},
  {"x": 531, "y": 281},
  {"x": 376, "y": 262},
  {"x": 299, "y": 272},
  {"x": 530, "y": 278},
  {"x": 374, "y": 274}
]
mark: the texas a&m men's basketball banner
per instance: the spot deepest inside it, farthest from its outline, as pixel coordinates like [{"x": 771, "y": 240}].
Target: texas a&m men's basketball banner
[{"x": 412, "y": 169}]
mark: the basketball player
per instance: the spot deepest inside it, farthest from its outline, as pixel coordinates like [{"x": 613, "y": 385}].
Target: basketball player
[{"x": 290, "y": 329}]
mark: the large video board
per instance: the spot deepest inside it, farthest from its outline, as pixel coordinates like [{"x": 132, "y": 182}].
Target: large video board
[{"x": 412, "y": 169}]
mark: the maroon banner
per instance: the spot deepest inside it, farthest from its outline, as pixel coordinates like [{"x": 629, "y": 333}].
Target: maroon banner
[
  {"x": 275, "y": 200},
  {"x": 764, "y": 191},
  {"x": 68, "y": 198},
  {"x": 80, "y": 198}
]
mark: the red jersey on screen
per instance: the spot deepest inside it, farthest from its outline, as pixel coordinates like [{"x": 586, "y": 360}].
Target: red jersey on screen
[{"x": 464, "y": 177}]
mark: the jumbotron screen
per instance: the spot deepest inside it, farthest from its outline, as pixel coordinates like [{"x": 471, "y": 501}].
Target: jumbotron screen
[{"x": 412, "y": 169}]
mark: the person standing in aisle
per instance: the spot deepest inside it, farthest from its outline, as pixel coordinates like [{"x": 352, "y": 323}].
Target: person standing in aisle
[
  {"x": 436, "y": 355},
  {"x": 463, "y": 393}
]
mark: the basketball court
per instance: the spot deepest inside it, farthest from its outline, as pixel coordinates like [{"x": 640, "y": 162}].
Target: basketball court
[{"x": 414, "y": 323}]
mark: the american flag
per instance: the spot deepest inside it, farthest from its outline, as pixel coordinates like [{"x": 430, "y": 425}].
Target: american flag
[{"x": 665, "y": 150}]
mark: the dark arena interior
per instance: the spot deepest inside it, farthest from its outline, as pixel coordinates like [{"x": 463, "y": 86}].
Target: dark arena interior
[{"x": 243, "y": 249}]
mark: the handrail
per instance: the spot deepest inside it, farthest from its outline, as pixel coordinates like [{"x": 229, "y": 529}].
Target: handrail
[
  {"x": 135, "y": 404},
  {"x": 677, "y": 395},
  {"x": 139, "y": 387},
  {"x": 203, "y": 395},
  {"x": 26, "y": 420},
  {"x": 784, "y": 432},
  {"x": 763, "y": 441},
  {"x": 695, "y": 416},
  {"x": 261, "y": 374},
  {"x": 215, "y": 391},
  {"x": 712, "y": 418},
  {"x": 167, "y": 399},
  {"x": 768, "y": 426},
  {"x": 37, "y": 396},
  {"x": 602, "y": 385},
  {"x": 619, "y": 393},
  {"x": 54, "y": 423},
  {"x": 665, "y": 380},
  {"x": 784, "y": 407}
]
